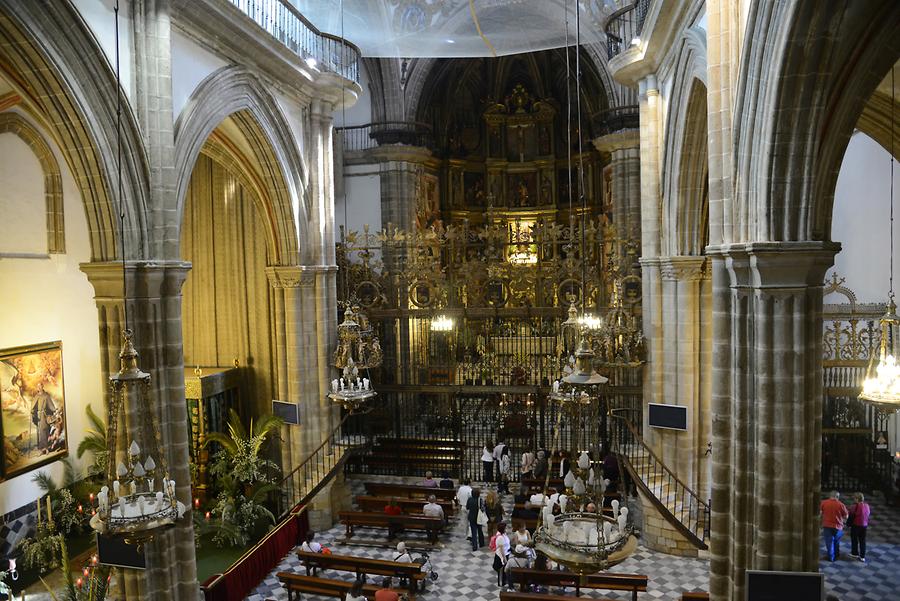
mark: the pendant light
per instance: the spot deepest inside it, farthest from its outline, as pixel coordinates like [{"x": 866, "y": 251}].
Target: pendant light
[{"x": 881, "y": 387}]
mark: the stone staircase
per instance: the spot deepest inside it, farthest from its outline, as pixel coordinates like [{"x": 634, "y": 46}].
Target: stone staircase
[{"x": 676, "y": 519}]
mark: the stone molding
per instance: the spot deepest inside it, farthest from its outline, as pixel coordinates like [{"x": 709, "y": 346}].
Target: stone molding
[
  {"x": 144, "y": 279},
  {"x": 297, "y": 276},
  {"x": 400, "y": 153},
  {"x": 620, "y": 140},
  {"x": 684, "y": 268},
  {"x": 772, "y": 265}
]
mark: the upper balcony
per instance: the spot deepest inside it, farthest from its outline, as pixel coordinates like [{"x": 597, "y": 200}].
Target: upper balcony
[
  {"x": 320, "y": 50},
  {"x": 624, "y": 26}
]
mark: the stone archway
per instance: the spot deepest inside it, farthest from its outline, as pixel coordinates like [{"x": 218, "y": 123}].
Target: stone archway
[
  {"x": 67, "y": 81},
  {"x": 234, "y": 92},
  {"x": 776, "y": 143}
]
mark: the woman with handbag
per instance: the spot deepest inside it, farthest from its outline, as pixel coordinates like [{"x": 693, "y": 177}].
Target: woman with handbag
[
  {"x": 501, "y": 553},
  {"x": 477, "y": 518}
]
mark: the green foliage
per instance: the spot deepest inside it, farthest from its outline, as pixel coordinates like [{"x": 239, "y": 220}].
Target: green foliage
[
  {"x": 65, "y": 507},
  {"x": 93, "y": 587},
  {"x": 44, "y": 550},
  {"x": 95, "y": 442},
  {"x": 243, "y": 479}
]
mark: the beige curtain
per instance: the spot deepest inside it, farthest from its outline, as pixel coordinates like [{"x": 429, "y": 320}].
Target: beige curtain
[{"x": 227, "y": 300}]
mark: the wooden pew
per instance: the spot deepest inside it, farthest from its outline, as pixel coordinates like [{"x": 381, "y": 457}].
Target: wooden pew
[
  {"x": 384, "y": 489},
  {"x": 411, "y": 506},
  {"x": 297, "y": 584},
  {"x": 606, "y": 581},
  {"x": 393, "y": 523},
  {"x": 695, "y": 596},
  {"x": 517, "y": 596},
  {"x": 313, "y": 562}
]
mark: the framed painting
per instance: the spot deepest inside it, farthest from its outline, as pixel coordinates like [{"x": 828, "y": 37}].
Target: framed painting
[{"x": 32, "y": 398}]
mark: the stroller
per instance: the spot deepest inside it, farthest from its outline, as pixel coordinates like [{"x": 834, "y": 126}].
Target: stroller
[{"x": 430, "y": 573}]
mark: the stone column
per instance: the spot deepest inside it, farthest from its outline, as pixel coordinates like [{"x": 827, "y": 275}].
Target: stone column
[
  {"x": 766, "y": 409},
  {"x": 651, "y": 306},
  {"x": 687, "y": 367},
  {"x": 625, "y": 152},
  {"x": 154, "y": 313}
]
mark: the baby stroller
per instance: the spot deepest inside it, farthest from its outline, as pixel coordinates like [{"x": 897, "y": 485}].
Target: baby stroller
[{"x": 424, "y": 562}]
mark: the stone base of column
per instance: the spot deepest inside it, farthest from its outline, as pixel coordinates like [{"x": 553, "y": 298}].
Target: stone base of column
[{"x": 658, "y": 534}]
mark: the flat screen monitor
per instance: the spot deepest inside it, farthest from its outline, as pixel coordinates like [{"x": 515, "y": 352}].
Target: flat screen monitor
[
  {"x": 672, "y": 417},
  {"x": 778, "y": 586},
  {"x": 114, "y": 551},
  {"x": 289, "y": 412}
]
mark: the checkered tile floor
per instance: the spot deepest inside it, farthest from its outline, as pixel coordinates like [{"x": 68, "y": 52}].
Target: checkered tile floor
[{"x": 467, "y": 575}]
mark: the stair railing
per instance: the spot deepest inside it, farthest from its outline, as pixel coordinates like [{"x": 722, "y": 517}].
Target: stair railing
[
  {"x": 624, "y": 25},
  {"x": 682, "y": 507},
  {"x": 308, "y": 478}
]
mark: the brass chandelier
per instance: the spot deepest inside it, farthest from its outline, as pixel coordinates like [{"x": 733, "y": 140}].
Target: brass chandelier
[{"x": 882, "y": 384}]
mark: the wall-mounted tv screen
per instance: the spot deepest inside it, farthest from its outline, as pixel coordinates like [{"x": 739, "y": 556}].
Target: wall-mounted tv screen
[{"x": 672, "y": 417}]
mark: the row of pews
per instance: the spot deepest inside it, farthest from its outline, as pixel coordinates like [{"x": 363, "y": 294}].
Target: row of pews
[
  {"x": 409, "y": 577},
  {"x": 410, "y": 457}
]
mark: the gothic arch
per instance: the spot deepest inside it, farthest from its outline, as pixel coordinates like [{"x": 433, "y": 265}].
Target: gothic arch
[
  {"x": 234, "y": 92},
  {"x": 685, "y": 213},
  {"x": 69, "y": 85},
  {"x": 13, "y": 123},
  {"x": 807, "y": 72}
]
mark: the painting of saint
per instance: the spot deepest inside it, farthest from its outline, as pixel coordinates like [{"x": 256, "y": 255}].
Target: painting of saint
[{"x": 32, "y": 398}]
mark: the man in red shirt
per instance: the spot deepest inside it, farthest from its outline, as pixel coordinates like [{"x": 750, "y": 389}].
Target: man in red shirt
[
  {"x": 834, "y": 513},
  {"x": 385, "y": 593}
]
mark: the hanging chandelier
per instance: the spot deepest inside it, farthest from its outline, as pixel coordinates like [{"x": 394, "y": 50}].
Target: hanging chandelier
[
  {"x": 138, "y": 497},
  {"x": 358, "y": 348},
  {"x": 882, "y": 384}
]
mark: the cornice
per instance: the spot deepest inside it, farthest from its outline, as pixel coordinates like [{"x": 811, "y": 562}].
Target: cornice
[
  {"x": 684, "y": 268},
  {"x": 297, "y": 276}
]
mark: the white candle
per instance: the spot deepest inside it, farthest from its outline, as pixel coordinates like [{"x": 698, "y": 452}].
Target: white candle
[{"x": 116, "y": 486}]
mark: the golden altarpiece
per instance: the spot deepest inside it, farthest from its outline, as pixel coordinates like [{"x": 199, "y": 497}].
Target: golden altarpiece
[{"x": 469, "y": 302}]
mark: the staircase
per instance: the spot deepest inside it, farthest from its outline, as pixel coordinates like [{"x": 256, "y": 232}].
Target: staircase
[
  {"x": 306, "y": 480},
  {"x": 680, "y": 506}
]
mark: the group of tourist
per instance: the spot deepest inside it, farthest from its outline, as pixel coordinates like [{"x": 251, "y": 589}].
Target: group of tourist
[{"x": 836, "y": 516}]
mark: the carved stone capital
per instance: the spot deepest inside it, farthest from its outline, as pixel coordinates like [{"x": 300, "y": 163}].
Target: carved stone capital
[
  {"x": 142, "y": 279},
  {"x": 776, "y": 264},
  {"x": 296, "y": 276},
  {"x": 684, "y": 268}
]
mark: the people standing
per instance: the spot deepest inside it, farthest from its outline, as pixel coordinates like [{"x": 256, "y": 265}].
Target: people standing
[
  {"x": 834, "y": 513},
  {"x": 859, "y": 523},
  {"x": 462, "y": 497},
  {"x": 540, "y": 466},
  {"x": 474, "y": 506},
  {"x": 501, "y": 553},
  {"x": 503, "y": 487},
  {"x": 494, "y": 510},
  {"x": 527, "y": 467},
  {"x": 487, "y": 461}
]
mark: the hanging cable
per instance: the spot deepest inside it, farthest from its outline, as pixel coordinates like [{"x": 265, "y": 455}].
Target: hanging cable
[
  {"x": 580, "y": 159},
  {"x": 568, "y": 115},
  {"x": 892, "y": 185},
  {"x": 345, "y": 234},
  {"x": 119, "y": 171}
]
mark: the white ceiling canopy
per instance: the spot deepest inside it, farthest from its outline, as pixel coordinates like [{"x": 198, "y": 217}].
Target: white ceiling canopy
[{"x": 447, "y": 29}]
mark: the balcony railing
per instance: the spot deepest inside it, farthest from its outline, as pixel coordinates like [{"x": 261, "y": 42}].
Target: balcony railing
[
  {"x": 363, "y": 137},
  {"x": 288, "y": 26},
  {"x": 616, "y": 119},
  {"x": 624, "y": 26}
]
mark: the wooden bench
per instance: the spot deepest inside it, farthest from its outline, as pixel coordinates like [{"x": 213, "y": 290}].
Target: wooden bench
[
  {"x": 606, "y": 581},
  {"x": 326, "y": 587},
  {"x": 393, "y": 523},
  {"x": 383, "y": 489},
  {"x": 516, "y": 596},
  {"x": 695, "y": 596},
  {"x": 361, "y": 566},
  {"x": 410, "y": 506}
]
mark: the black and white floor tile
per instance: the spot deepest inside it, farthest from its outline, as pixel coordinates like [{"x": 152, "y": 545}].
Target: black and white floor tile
[{"x": 467, "y": 575}]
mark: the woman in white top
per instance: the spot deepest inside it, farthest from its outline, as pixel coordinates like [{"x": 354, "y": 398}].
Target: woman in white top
[
  {"x": 462, "y": 497},
  {"x": 487, "y": 460},
  {"x": 521, "y": 536},
  {"x": 356, "y": 592},
  {"x": 527, "y": 464},
  {"x": 501, "y": 553},
  {"x": 403, "y": 555},
  {"x": 309, "y": 545}
]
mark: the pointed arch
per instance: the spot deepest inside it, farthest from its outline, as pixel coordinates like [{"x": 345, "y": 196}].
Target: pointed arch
[
  {"x": 52, "y": 59},
  {"x": 234, "y": 92}
]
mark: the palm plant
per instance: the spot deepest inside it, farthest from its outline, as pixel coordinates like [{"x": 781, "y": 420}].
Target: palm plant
[
  {"x": 95, "y": 441},
  {"x": 241, "y": 460}
]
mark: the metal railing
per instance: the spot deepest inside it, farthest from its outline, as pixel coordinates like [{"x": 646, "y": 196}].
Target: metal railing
[
  {"x": 616, "y": 119},
  {"x": 364, "y": 137},
  {"x": 308, "y": 478},
  {"x": 288, "y": 26},
  {"x": 684, "y": 509},
  {"x": 624, "y": 25}
]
